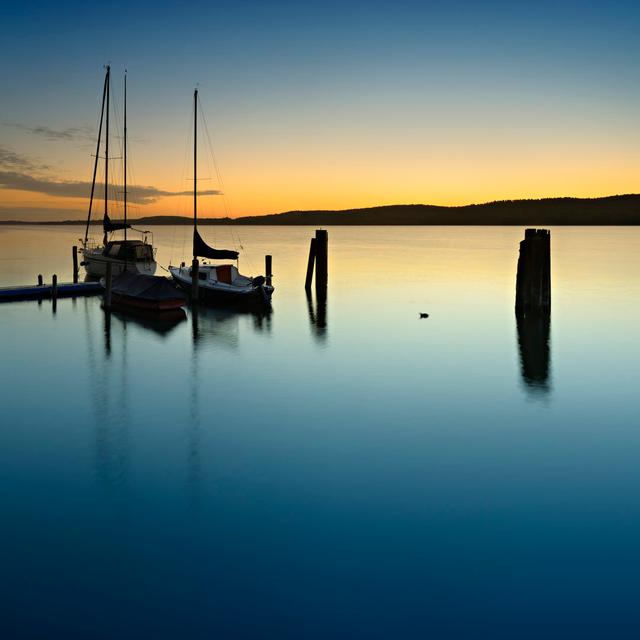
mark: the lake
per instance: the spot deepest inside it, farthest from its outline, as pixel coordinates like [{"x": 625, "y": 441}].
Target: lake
[{"x": 348, "y": 472}]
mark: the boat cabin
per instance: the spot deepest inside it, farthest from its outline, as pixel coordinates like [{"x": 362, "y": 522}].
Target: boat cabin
[
  {"x": 131, "y": 250},
  {"x": 224, "y": 273}
]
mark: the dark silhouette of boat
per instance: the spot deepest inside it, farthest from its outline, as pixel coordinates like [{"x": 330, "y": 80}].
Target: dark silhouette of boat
[{"x": 146, "y": 294}]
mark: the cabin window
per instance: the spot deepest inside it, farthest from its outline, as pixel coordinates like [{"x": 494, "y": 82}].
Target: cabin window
[
  {"x": 202, "y": 275},
  {"x": 114, "y": 250},
  {"x": 224, "y": 273}
]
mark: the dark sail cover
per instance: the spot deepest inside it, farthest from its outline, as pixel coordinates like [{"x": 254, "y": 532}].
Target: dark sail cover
[
  {"x": 107, "y": 225},
  {"x": 202, "y": 249}
]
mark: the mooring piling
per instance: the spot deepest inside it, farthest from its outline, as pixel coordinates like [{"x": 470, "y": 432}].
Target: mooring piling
[
  {"x": 40, "y": 280},
  {"x": 267, "y": 269},
  {"x": 107, "y": 286},
  {"x": 318, "y": 257},
  {"x": 533, "y": 280},
  {"x": 310, "y": 264},
  {"x": 322, "y": 259},
  {"x": 54, "y": 292},
  {"x": 195, "y": 274},
  {"x": 74, "y": 255}
]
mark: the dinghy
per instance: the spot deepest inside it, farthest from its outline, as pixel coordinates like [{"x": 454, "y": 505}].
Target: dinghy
[{"x": 148, "y": 294}]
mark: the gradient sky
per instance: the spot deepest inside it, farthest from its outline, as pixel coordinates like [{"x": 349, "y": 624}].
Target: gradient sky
[{"x": 323, "y": 104}]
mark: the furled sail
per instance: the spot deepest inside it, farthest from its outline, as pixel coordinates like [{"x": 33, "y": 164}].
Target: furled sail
[
  {"x": 109, "y": 226},
  {"x": 203, "y": 250}
]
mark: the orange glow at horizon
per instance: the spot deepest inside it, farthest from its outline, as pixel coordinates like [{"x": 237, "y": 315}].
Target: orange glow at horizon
[{"x": 461, "y": 172}]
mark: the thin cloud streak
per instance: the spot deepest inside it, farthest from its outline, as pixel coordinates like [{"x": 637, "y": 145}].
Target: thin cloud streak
[
  {"x": 68, "y": 134},
  {"x": 16, "y": 161},
  {"x": 138, "y": 194}
]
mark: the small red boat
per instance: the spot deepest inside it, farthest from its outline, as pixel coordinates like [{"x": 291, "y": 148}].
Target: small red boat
[{"x": 144, "y": 293}]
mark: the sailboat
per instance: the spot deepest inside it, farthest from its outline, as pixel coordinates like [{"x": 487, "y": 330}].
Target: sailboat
[
  {"x": 219, "y": 284},
  {"x": 134, "y": 255},
  {"x": 143, "y": 293}
]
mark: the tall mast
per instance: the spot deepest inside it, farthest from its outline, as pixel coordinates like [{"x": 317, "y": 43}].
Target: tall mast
[
  {"x": 95, "y": 164},
  {"x": 106, "y": 147},
  {"x": 106, "y": 155},
  {"x": 195, "y": 159},
  {"x": 125, "y": 168}
]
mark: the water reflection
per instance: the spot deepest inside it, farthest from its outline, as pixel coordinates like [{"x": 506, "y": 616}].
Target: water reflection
[
  {"x": 110, "y": 401},
  {"x": 534, "y": 346},
  {"x": 221, "y": 327},
  {"x": 194, "y": 465},
  {"x": 318, "y": 313},
  {"x": 161, "y": 325}
]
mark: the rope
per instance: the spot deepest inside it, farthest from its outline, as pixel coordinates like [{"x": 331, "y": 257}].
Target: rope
[{"x": 235, "y": 237}]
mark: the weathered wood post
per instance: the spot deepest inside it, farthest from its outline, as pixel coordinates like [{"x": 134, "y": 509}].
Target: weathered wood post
[
  {"x": 310, "y": 263},
  {"x": 54, "y": 293},
  {"x": 74, "y": 255},
  {"x": 322, "y": 259},
  {"x": 195, "y": 271},
  {"x": 533, "y": 280},
  {"x": 267, "y": 269},
  {"x": 40, "y": 280},
  {"x": 107, "y": 286}
]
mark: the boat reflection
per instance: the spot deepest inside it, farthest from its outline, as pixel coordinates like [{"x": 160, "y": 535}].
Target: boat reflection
[
  {"x": 222, "y": 326},
  {"x": 535, "y": 353},
  {"x": 160, "y": 324}
]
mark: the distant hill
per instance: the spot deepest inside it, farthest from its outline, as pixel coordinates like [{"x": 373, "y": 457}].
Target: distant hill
[{"x": 611, "y": 210}]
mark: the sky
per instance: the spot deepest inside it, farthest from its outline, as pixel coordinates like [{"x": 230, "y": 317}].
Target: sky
[{"x": 319, "y": 105}]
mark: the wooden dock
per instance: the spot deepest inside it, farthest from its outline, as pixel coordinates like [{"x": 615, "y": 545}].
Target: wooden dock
[{"x": 57, "y": 290}]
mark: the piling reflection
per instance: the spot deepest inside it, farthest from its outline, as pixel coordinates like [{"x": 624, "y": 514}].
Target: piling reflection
[
  {"x": 535, "y": 352},
  {"x": 107, "y": 333},
  {"x": 318, "y": 313}
]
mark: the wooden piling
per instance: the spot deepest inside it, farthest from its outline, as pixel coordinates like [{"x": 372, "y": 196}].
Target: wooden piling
[
  {"x": 195, "y": 271},
  {"x": 40, "y": 280},
  {"x": 54, "y": 287},
  {"x": 74, "y": 255},
  {"x": 322, "y": 259},
  {"x": 533, "y": 280},
  {"x": 310, "y": 263},
  {"x": 107, "y": 287},
  {"x": 267, "y": 269}
]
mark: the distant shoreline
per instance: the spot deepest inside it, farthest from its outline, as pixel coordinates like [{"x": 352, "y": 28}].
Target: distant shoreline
[{"x": 616, "y": 210}]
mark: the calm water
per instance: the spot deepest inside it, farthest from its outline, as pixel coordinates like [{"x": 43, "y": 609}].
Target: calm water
[{"x": 380, "y": 476}]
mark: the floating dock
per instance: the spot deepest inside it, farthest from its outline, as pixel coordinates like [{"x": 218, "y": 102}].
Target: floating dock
[{"x": 57, "y": 290}]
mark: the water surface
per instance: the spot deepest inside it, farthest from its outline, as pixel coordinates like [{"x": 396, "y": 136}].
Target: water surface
[{"x": 314, "y": 473}]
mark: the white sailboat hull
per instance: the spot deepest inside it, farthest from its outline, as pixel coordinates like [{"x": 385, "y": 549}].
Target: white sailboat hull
[
  {"x": 95, "y": 265},
  {"x": 241, "y": 290}
]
